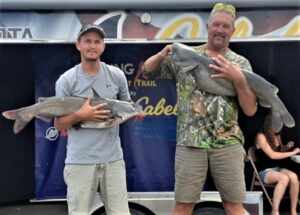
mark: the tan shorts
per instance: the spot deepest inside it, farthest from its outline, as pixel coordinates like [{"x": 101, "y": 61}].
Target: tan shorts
[
  {"x": 84, "y": 180},
  {"x": 226, "y": 165}
]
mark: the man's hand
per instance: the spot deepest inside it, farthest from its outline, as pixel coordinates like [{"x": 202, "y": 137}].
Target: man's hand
[
  {"x": 232, "y": 72},
  {"x": 229, "y": 71},
  {"x": 155, "y": 60},
  {"x": 139, "y": 117},
  {"x": 94, "y": 113},
  {"x": 166, "y": 51}
]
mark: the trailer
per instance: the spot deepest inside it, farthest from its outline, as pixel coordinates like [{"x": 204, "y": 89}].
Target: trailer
[
  {"x": 37, "y": 45},
  {"x": 162, "y": 203},
  {"x": 150, "y": 192}
]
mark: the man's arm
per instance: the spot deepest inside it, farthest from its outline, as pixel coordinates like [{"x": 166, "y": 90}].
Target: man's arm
[
  {"x": 246, "y": 97},
  {"x": 154, "y": 61},
  {"x": 85, "y": 113}
]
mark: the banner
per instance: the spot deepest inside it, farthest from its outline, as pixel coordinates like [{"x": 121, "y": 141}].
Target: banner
[
  {"x": 146, "y": 25},
  {"x": 149, "y": 145}
]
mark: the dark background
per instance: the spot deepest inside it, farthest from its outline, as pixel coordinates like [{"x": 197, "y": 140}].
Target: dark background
[{"x": 278, "y": 62}]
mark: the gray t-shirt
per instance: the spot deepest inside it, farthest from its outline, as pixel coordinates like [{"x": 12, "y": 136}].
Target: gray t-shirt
[{"x": 93, "y": 146}]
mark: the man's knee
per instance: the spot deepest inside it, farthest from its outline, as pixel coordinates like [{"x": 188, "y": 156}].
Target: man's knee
[
  {"x": 233, "y": 208},
  {"x": 183, "y": 208}
]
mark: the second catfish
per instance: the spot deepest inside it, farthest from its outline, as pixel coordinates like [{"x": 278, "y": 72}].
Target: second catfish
[{"x": 197, "y": 66}]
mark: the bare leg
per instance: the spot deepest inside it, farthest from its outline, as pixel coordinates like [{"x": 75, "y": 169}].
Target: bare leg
[
  {"x": 281, "y": 182},
  {"x": 294, "y": 189},
  {"x": 183, "y": 208},
  {"x": 233, "y": 208}
]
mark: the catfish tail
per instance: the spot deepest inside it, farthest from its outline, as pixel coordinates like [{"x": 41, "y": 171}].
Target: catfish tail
[
  {"x": 10, "y": 114},
  {"x": 281, "y": 116},
  {"x": 21, "y": 117}
]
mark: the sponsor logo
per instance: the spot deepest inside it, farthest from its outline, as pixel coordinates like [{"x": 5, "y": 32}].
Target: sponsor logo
[
  {"x": 52, "y": 134},
  {"x": 127, "y": 68},
  {"x": 15, "y": 33}
]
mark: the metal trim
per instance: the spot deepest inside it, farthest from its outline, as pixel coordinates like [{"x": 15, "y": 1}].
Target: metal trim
[
  {"x": 136, "y": 4},
  {"x": 145, "y": 41}
]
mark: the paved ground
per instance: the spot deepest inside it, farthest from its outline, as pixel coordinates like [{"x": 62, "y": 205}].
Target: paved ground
[
  {"x": 35, "y": 209},
  {"x": 55, "y": 208}
]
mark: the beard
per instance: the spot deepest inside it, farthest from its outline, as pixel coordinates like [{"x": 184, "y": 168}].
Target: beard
[
  {"x": 220, "y": 43},
  {"x": 92, "y": 59}
]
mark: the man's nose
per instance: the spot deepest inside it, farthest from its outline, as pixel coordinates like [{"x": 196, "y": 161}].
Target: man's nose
[{"x": 220, "y": 28}]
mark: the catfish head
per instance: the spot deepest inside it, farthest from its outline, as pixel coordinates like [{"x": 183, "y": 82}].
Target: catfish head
[
  {"x": 124, "y": 110},
  {"x": 197, "y": 65},
  {"x": 189, "y": 60}
]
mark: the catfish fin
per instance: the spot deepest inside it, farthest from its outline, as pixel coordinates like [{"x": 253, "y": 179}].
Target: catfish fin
[
  {"x": 44, "y": 118},
  {"x": 109, "y": 123},
  {"x": 277, "y": 123},
  {"x": 263, "y": 102},
  {"x": 288, "y": 121},
  {"x": 274, "y": 88},
  {"x": 21, "y": 117},
  {"x": 189, "y": 68},
  {"x": 10, "y": 114},
  {"x": 281, "y": 117},
  {"x": 96, "y": 95},
  {"x": 42, "y": 99}
]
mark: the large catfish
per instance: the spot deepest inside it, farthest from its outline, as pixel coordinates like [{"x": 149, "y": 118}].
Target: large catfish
[
  {"x": 197, "y": 65},
  {"x": 48, "y": 108}
]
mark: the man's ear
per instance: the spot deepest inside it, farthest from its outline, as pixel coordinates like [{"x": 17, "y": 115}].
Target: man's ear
[
  {"x": 77, "y": 45},
  {"x": 104, "y": 45}
]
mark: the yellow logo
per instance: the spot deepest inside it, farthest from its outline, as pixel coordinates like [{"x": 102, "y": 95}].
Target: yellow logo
[
  {"x": 293, "y": 28},
  {"x": 243, "y": 28},
  {"x": 159, "y": 109},
  {"x": 190, "y": 23}
]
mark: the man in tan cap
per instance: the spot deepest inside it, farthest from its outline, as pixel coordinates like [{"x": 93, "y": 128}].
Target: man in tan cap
[{"x": 208, "y": 134}]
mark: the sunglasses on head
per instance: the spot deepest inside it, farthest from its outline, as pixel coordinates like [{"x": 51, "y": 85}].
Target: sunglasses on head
[{"x": 224, "y": 7}]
